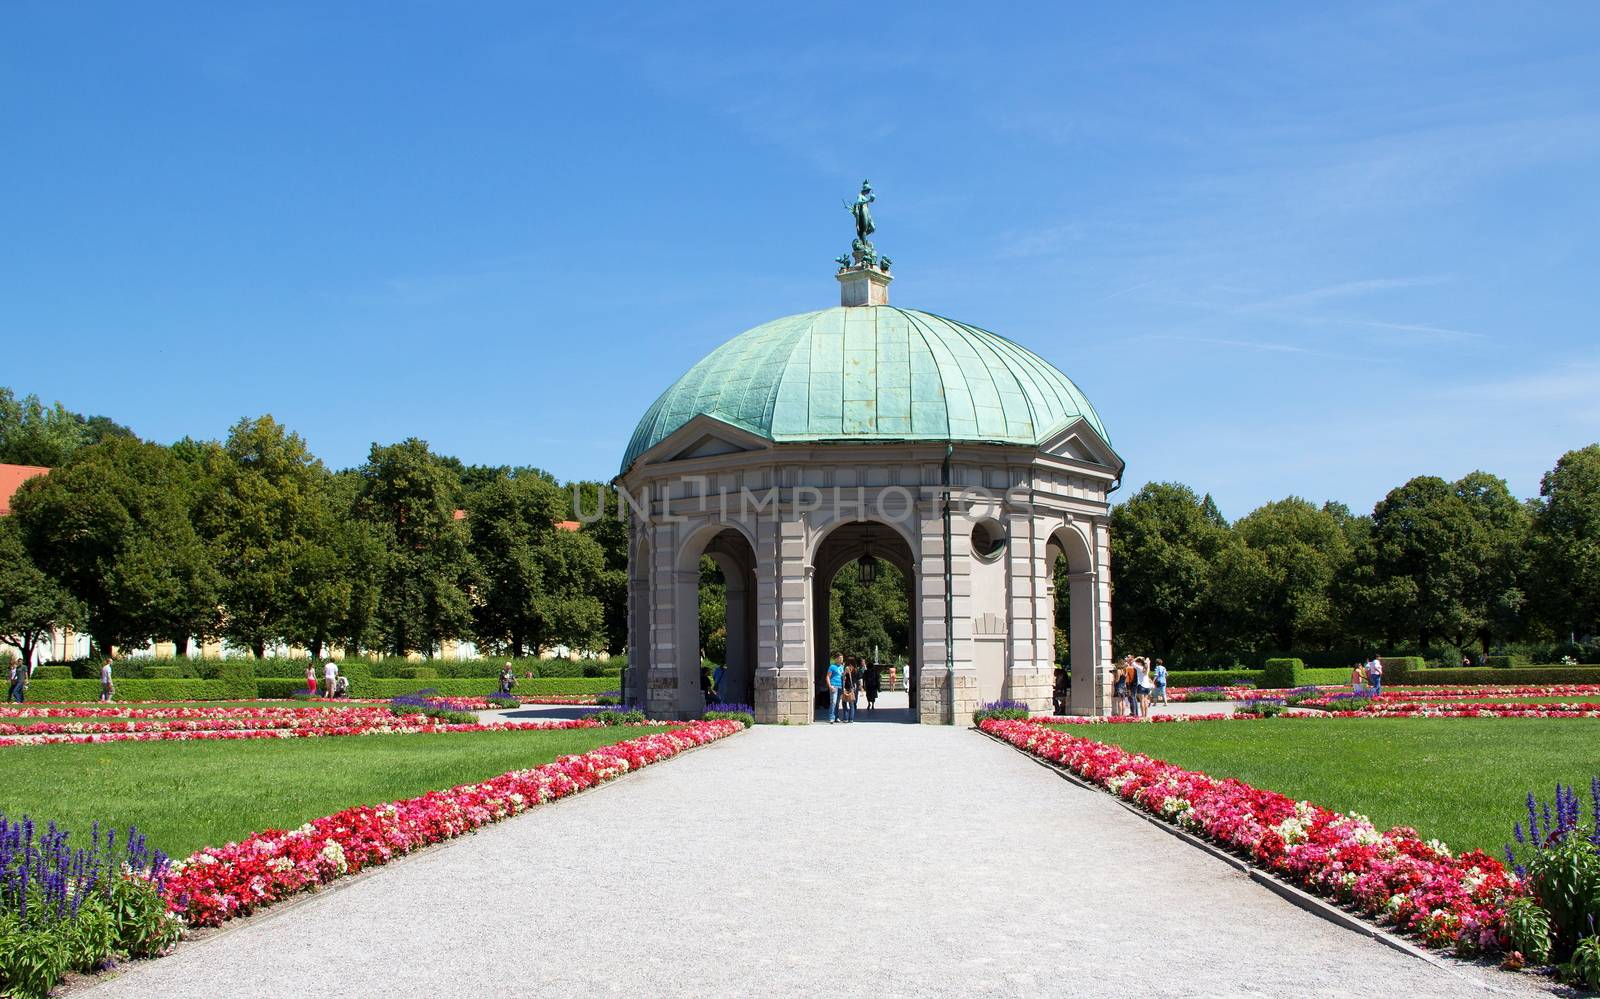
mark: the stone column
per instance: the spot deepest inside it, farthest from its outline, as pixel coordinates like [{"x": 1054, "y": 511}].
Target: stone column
[
  {"x": 634, "y": 681},
  {"x": 1031, "y": 613},
  {"x": 783, "y": 688},
  {"x": 939, "y": 704},
  {"x": 1102, "y": 604},
  {"x": 661, "y": 694}
]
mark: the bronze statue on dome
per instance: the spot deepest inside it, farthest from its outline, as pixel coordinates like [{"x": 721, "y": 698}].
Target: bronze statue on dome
[{"x": 862, "y": 252}]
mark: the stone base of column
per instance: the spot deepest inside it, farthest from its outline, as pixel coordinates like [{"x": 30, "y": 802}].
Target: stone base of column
[
  {"x": 661, "y": 697},
  {"x": 1032, "y": 689},
  {"x": 933, "y": 700},
  {"x": 783, "y": 698}
]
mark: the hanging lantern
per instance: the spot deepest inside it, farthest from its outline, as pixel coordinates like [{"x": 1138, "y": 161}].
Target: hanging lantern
[{"x": 867, "y": 569}]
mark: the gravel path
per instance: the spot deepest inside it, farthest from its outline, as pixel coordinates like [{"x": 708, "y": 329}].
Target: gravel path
[{"x": 870, "y": 859}]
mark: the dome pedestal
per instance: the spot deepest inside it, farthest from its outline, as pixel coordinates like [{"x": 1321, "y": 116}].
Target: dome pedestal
[{"x": 863, "y": 286}]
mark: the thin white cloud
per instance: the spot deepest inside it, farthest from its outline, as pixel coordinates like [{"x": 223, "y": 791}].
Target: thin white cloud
[
  {"x": 1264, "y": 345},
  {"x": 1335, "y": 292},
  {"x": 1425, "y": 330}
]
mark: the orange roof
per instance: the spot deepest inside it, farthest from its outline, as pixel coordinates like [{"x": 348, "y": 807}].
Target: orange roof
[
  {"x": 567, "y": 525},
  {"x": 13, "y": 476}
]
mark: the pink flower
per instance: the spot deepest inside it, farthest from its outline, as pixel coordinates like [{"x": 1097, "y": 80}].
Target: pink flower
[{"x": 1391, "y": 876}]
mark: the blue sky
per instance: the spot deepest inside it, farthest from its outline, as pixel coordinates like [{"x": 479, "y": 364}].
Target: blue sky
[{"x": 1283, "y": 249}]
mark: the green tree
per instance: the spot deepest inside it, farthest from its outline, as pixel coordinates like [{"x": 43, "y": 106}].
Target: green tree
[
  {"x": 272, "y": 524},
  {"x": 1303, "y": 550},
  {"x": 1566, "y": 543},
  {"x": 537, "y": 582},
  {"x": 113, "y": 525},
  {"x": 352, "y": 623},
  {"x": 408, "y": 495},
  {"x": 713, "y": 611},
  {"x": 32, "y": 433},
  {"x": 1497, "y": 595},
  {"x": 1163, "y": 545},
  {"x": 32, "y": 605},
  {"x": 1419, "y": 572},
  {"x": 867, "y": 616},
  {"x": 1232, "y": 625},
  {"x": 610, "y": 532}
]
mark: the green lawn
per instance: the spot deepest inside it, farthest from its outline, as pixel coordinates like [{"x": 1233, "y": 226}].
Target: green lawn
[
  {"x": 185, "y": 795},
  {"x": 1461, "y": 780}
]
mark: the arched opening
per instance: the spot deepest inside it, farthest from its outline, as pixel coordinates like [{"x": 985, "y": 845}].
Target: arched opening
[
  {"x": 1073, "y": 598},
  {"x": 864, "y": 590},
  {"x": 717, "y": 580}
]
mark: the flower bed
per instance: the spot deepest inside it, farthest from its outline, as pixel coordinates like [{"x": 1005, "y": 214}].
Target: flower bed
[
  {"x": 572, "y": 699},
  {"x": 220, "y": 883},
  {"x": 1394, "y": 877},
  {"x": 89, "y": 725},
  {"x": 1387, "y": 707}
]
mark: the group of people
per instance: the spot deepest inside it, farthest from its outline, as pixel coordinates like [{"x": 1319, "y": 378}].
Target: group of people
[
  {"x": 848, "y": 678},
  {"x": 1136, "y": 683},
  {"x": 20, "y": 673},
  {"x": 1367, "y": 677},
  {"x": 334, "y": 684}
]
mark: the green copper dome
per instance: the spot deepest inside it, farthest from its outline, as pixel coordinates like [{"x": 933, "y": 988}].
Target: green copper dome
[{"x": 871, "y": 373}]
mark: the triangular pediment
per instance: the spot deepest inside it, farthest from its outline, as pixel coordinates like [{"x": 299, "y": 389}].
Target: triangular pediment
[
  {"x": 708, "y": 446},
  {"x": 1078, "y": 441},
  {"x": 703, "y": 437}
]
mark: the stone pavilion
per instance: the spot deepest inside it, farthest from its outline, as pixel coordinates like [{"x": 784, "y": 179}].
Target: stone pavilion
[{"x": 867, "y": 432}]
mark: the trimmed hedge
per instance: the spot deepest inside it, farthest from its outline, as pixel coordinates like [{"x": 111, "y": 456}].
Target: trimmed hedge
[
  {"x": 235, "y": 680},
  {"x": 1282, "y": 673},
  {"x": 277, "y": 687},
  {"x": 162, "y": 673},
  {"x": 479, "y": 688},
  {"x": 1408, "y": 669},
  {"x": 138, "y": 690},
  {"x": 1485, "y": 674},
  {"x": 1213, "y": 677},
  {"x": 1504, "y": 662}
]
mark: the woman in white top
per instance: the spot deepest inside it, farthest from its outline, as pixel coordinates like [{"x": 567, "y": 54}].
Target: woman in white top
[{"x": 1145, "y": 685}]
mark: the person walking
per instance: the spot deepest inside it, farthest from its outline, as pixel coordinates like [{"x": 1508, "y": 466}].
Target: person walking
[
  {"x": 1119, "y": 689},
  {"x": 835, "y": 686},
  {"x": 894, "y": 678},
  {"x": 108, "y": 690},
  {"x": 707, "y": 689},
  {"x": 1060, "y": 689},
  {"x": 508, "y": 679},
  {"x": 311, "y": 679},
  {"x": 1143, "y": 684},
  {"x": 330, "y": 677},
  {"x": 18, "y": 688},
  {"x": 1159, "y": 674},
  {"x": 1130, "y": 685},
  {"x": 1358, "y": 678},
  {"x": 1375, "y": 676},
  {"x": 716, "y": 679},
  {"x": 851, "y": 690},
  {"x": 873, "y": 684}
]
